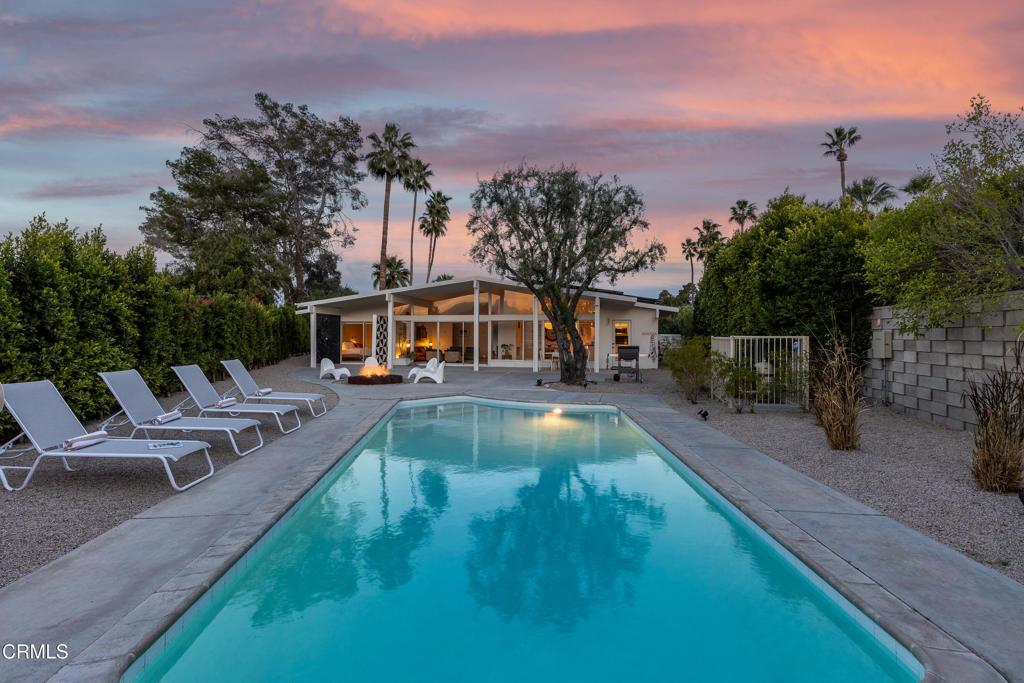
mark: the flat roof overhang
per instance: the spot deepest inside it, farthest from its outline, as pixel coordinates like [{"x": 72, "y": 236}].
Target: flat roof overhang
[{"x": 436, "y": 291}]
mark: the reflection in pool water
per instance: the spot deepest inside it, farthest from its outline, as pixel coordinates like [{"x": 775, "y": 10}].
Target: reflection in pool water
[{"x": 468, "y": 542}]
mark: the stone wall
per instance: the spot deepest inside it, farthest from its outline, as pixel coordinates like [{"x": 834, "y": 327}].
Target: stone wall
[{"x": 928, "y": 374}]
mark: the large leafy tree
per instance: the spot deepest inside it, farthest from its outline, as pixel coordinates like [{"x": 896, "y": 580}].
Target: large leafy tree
[
  {"x": 323, "y": 279},
  {"x": 557, "y": 232},
  {"x": 796, "y": 271},
  {"x": 434, "y": 224},
  {"x": 870, "y": 193},
  {"x": 836, "y": 144},
  {"x": 312, "y": 165},
  {"x": 415, "y": 179},
  {"x": 388, "y": 160},
  {"x": 957, "y": 246},
  {"x": 396, "y": 273},
  {"x": 743, "y": 212},
  {"x": 224, "y": 226}
]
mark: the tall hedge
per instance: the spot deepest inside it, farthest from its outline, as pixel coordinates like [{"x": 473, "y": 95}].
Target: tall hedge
[
  {"x": 70, "y": 307},
  {"x": 797, "y": 271}
]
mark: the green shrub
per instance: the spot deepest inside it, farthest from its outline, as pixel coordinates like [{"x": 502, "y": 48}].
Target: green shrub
[
  {"x": 70, "y": 307},
  {"x": 689, "y": 365},
  {"x": 737, "y": 384},
  {"x": 797, "y": 271}
]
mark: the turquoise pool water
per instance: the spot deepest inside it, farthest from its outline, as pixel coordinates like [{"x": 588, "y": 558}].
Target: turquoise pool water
[{"x": 469, "y": 542}]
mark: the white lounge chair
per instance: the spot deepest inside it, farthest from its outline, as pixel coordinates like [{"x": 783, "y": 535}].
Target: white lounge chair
[
  {"x": 437, "y": 374},
  {"x": 208, "y": 401},
  {"x": 251, "y": 391},
  {"x": 431, "y": 366},
  {"x": 145, "y": 413},
  {"x": 54, "y": 432},
  {"x": 329, "y": 369}
]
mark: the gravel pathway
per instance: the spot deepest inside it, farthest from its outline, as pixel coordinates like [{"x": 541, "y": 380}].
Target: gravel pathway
[
  {"x": 60, "y": 511},
  {"x": 912, "y": 471}
]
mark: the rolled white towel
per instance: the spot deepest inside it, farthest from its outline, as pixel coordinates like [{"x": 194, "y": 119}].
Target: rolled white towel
[
  {"x": 264, "y": 392},
  {"x": 167, "y": 417},
  {"x": 225, "y": 402},
  {"x": 85, "y": 440}
]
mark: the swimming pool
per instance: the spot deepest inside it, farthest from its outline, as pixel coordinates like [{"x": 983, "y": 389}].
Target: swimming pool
[{"x": 470, "y": 540}]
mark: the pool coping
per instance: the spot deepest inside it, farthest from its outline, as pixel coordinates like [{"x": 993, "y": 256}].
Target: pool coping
[{"x": 942, "y": 655}]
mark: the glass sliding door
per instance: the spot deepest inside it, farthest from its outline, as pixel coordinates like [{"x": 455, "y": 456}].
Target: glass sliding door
[
  {"x": 356, "y": 341},
  {"x": 456, "y": 342},
  {"x": 512, "y": 341}
]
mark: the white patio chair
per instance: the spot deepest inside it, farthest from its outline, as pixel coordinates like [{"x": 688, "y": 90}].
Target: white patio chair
[
  {"x": 145, "y": 413},
  {"x": 54, "y": 432},
  {"x": 208, "y": 401},
  {"x": 431, "y": 366},
  {"x": 437, "y": 375},
  {"x": 329, "y": 369},
  {"x": 251, "y": 391}
]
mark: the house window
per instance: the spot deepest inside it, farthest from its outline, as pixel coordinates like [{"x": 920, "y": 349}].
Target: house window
[{"x": 621, "y": 332}]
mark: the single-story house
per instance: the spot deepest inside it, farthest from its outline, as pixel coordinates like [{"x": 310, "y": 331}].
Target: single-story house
[{"x": 475, "y": 322}]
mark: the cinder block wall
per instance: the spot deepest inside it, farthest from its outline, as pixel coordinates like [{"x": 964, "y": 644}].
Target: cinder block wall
[{"x": 928, "y": 374}]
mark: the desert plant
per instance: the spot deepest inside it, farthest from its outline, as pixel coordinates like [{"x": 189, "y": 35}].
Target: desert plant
[
  {"x": 838, "y": 397},
  {"x": 999, "y": 440},
  {"x": 689, "y": 365}
]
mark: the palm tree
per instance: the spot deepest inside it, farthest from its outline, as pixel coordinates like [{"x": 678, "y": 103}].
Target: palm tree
[
  {"x": 387, "y": 160},
  {"x": 709, "y": 234},
  {"x": 395, "y": 273},
  {"x": 415, "y": 179},
  {"x": 434, "y": 223},
  {"x": 919, "y": 184},
  {"x": 691, "y": 251},
  {"x": 836, "y": 143},
  {"x": 870, "y": 192},
  {"x": 742, "y": 212}
]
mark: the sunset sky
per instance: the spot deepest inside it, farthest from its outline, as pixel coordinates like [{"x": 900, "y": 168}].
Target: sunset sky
[{"x": 696, "y": 104}]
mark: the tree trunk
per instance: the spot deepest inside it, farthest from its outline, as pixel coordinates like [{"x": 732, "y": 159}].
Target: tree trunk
[
  {"x": 412, "y": 235},
  {"x": 430, "y": 257},
  {"x": 382, "y": 279},
  {"x": 691, "y": 272},
  {"x": 300, "y": 275},
  {"x": 572, "y": 353},
  {"x": 842, "y": 177}
]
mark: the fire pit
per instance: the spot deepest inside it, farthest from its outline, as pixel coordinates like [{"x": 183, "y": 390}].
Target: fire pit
[
  {"x": 375, "y": 379},
  {"x": 374, "y": 374}
]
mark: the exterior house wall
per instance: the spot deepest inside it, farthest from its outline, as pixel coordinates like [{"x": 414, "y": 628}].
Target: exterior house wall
[
  {"x": 643, "y": 325},
  {"x": 928, "y": 375}
]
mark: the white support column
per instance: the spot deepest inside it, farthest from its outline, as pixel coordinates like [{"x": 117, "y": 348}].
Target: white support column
[
  {"x": 597, "y": 334},
  {"x": 536, "y": 337},
  {"x": 391, "y": 331},
  {"x": 476, "y": 325},
  {"x": 312, "y": 336}
]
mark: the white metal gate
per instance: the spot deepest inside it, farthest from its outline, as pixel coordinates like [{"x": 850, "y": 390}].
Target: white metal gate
[{"x": 777, "y": 369}]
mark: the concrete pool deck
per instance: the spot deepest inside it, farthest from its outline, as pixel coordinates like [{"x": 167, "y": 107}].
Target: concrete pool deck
[{"x": 111, "y": 598}]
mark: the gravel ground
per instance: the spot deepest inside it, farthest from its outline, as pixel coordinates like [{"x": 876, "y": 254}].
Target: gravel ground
[
  {"x": 60, "y": 511},
  {"x": 912, "y": 471}
]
